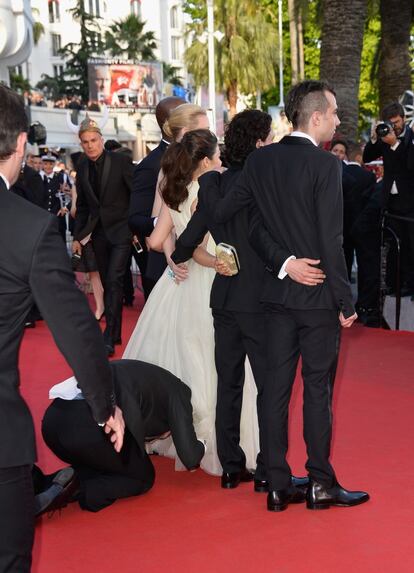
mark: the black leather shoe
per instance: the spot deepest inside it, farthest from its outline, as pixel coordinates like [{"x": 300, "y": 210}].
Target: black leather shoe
[
  {"x": 262, "y": 485},
  {"x": 118, "y": 341},
  {"x": 232, "y": 480},
  {"x": 279, "y": 499},
  {"x": 53, "y": 499},
  {"x": 30, "y": 324},
  {"x": 319, "y": 497},
  {"x": 110, "y": 350}
]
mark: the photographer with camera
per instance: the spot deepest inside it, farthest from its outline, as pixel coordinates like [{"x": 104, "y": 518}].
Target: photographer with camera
[{"x": 392, "y": 140}]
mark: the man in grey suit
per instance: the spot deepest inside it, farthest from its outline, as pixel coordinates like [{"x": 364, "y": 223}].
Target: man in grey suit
[{"x": 34, "y": 268}]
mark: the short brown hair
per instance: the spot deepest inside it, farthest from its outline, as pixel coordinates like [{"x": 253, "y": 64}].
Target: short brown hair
[
  {"x": 13, "y": 121},
  {"x": 304, "y": 99}
]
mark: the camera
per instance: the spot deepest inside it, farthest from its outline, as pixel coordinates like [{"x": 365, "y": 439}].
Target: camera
[
  {"x": 383, "y": 129},
  {"x": 37, "y": 133}
]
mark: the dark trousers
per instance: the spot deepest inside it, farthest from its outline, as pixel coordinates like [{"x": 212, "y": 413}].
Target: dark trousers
[
  {"x": 313, "y": 335},
  {"x": 237, "y": 334},
  {"x": 405, "y": 232},
  {"x": 16, "y": 519},
  {"x": 112, "y": 261},
  {"x": 105, "y": 476}
]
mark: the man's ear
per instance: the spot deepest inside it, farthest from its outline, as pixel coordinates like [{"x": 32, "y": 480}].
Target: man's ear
[{"x": 21, "y": 144}]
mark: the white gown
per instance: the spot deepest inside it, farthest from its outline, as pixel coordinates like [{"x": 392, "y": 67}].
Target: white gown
[{"x": 175, "y": 331}]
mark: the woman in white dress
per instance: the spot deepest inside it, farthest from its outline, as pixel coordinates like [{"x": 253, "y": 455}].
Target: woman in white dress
[{"x": 175, "y": 329}]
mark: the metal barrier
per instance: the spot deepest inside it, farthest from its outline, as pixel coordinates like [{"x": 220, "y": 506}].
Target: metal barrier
[{"x": 386, "y": 230}]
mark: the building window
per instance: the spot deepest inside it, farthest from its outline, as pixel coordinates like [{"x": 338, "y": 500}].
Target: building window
[
  {"x": 94, "y": 7},
  {"x": 56, "y": 44},
  {"x": 54, "y": 12},
  {"x": 174, "y": 17},
  {"x": 175, "y": 48},
  {"x": 136, "y": 8},
  {"x": 58, "y": 70}
]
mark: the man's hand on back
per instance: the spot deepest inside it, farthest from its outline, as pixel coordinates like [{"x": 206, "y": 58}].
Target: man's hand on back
[{"x": 304, "y": 271}]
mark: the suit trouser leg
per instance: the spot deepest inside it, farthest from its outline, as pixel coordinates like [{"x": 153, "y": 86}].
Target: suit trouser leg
[
  {"x": 112, "y": 261},
  {"x": 72, "y": 434},
  {"x": 252, "y": 326},
  {"x": 230, "y": 357},
  {"x": 319, "y": 337},
  {"x": 282, "y": 355},
  {"x": 16, "y": 519}
]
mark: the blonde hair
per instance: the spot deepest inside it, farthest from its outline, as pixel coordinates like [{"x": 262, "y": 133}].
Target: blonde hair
[{"x": 183, "y": 116}]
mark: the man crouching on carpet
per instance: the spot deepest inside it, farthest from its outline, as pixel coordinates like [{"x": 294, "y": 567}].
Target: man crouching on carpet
[{"x": 154, "y": 403}]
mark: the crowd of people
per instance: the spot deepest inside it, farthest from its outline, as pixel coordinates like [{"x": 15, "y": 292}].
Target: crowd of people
[{"x": 207, "y": 374}]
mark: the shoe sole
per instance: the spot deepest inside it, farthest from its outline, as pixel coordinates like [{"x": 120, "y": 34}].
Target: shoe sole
[{"x": 319, "y": 506}]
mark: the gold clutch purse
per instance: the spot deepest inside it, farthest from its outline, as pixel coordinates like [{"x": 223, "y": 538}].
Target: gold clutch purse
[{"x": 228, "y": 255}]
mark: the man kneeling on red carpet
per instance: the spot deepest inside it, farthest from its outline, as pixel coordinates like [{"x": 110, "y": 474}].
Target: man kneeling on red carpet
[{"x": 154, "y": 403}]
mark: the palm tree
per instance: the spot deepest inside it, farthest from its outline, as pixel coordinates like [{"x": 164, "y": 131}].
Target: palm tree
[
  {"x": 127, "y": 38},
  {"x": 341, "y": 47},
  {"x": 394, "y": 63},
  {"x": 38, "y": 28},
  {"x": 246, "y": 57}
]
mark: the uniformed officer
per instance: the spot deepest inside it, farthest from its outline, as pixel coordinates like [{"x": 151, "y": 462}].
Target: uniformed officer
[{"x": 55, "y": 183}]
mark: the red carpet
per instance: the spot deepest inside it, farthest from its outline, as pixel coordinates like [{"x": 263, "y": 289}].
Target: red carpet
[{"x": 187, "y": 523}]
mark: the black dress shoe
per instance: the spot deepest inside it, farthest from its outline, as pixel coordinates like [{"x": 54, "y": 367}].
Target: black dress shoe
[
  {"x": 63, "y": 490},
  {"x": 279, "y": 499},
  {"x": 118, "y": 341},
  {"x": 262, "y": 485},
  {"x": 30, "y": 324},
  {"x": 232, "y": 480},
  {"x": 110, "y": 350},
  {"x": 320, "y": 497}
]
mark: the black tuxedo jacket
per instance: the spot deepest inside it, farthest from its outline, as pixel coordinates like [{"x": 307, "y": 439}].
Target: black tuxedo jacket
[
  {"x": 111, "y": 207},
  {"x": 142, "y": 200},
  {"x": 30, "y": 186},
  {"x": 240, "y": 293},
  {"x": 154, "y": 401},
  {"x": 398, "y": 167},
  {"x": 34, "y": 267},
  {"x": 358, "y": 194},
  {"x": 295, "y": 192}
]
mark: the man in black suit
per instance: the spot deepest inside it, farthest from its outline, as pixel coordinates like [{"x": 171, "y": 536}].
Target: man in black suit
[
  {"x": 29, "y": 185},
  {"x": 235, "y": 301},
  {"x": 34, "y": 267},
  {"x": 294, "y": 189},
  {"x": 151, "y": 264},
  {"x": 397, "y": 152},
  {"x": 103, "y": 184},
  {"x": 154, "y": 402},
  {"x": 359, "y": 196}
]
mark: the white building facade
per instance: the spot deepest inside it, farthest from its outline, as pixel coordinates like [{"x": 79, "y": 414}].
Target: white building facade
[{"x": 163, "y": 17}]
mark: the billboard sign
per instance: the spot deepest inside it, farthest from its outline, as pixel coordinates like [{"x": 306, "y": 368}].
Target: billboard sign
[{"x": 125, "y": 83}]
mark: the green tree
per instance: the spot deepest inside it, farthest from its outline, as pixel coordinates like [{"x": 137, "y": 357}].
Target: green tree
[
  {"x": 171, "y": 74},
  {"x": 54, "y": 87},
  {"x": 246, "y": 57},
  {"x": 77, "y": 54},
  {"x": 126, "y": 38},
  {"x": 18, "y": 83}
]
